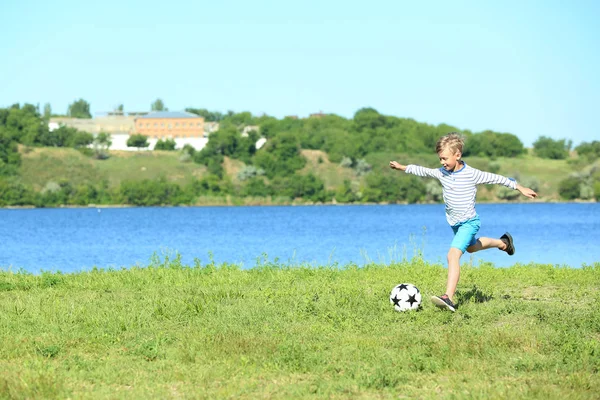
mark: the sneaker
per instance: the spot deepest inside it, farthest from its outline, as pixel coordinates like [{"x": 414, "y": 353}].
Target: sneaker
[
  {"x": 508, "y": 240},
  {"x": 444, "y": 302}
]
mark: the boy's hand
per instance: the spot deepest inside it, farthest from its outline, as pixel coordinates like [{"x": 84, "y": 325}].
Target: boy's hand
[
  {"x": 526, "y": 192},
  {"x": 397, "y": 165}
]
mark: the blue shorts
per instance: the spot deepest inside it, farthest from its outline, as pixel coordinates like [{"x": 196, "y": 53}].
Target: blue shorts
[{"x": 464, "y": 233}]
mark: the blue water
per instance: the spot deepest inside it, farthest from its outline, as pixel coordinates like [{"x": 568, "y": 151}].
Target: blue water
[{"x": 71, "y": 240}]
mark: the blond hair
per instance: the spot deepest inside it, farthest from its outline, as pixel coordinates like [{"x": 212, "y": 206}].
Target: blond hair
[{"x": 453, "y": 141}]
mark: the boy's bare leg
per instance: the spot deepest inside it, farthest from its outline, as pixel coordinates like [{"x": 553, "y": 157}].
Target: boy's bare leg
[
  {"x": 486, "y": 243},
  {"x": 453, "y": 271}
]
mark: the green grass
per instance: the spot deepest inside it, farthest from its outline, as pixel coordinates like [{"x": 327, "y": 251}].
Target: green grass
[
  {"x": 149, "y": 165},
  {"x": 42, "y": 165},
  {"x": 548, "y": 172},
  {"x": 276, "y": 331}
]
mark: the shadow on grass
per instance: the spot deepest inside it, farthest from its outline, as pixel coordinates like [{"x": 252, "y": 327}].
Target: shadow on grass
[{"x": 475, "y": 295}]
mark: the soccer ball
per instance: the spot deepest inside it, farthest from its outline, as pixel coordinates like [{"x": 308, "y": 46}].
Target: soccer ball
[{"x": 405, "y": 297}]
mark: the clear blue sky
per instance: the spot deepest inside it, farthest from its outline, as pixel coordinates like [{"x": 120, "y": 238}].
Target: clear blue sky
[{"x": 526, "y": 67}]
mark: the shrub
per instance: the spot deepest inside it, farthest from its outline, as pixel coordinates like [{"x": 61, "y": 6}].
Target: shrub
[
  {"x": 362, "y": 167},
  {"x": 494, "y": 167},
  {"x": 346, "y": 162},
  {"x": 393, "y": 189},
  {"x": 433, "y": 190},
  {"x": 589, "y": 150},
  {"x": 345, "y": 194},
  {"x": 586, "y": 191},
  {"x": 256, "y": 187},
  {"x": 167, "y": 144},
  {"x": 250, "y": 171},
  {"x": 101, "y": 144},
  {"x": 138, "y": 141},
  {"x": 185, "y": 157},
  {"x": 505, "y": 193},
  {"x": 569, "y": 188}
]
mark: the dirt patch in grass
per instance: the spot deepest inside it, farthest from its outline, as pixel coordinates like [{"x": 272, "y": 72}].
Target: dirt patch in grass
[
  {"x": 232, "y": 167},
  {"x": 332, "y": 174}
]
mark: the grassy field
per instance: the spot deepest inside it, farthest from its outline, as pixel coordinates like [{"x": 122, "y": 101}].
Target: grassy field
[
  {"x": 276, "y": 331},
  {"x": 42, "y": 165}
]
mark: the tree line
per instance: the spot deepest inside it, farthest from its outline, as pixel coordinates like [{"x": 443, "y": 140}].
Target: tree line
[{"x": 275, "y": 169}]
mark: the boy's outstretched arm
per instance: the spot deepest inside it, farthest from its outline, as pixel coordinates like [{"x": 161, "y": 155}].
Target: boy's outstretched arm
[
  {"x": 397, "y": 165},
  {"x": 526, "y": 191},
  {"x": 416, "y": 170}
]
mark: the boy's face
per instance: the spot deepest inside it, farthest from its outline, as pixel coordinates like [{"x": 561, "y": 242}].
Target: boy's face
[{"x": 450, "y": 159}]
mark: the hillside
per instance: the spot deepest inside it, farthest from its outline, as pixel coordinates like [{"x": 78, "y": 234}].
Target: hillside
[
  {"x": 344, "y": 160},
  {"x": 43, "y": 165}
]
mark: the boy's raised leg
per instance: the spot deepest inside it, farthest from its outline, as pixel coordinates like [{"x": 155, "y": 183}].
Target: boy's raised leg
[
  {"x": 484, "y": 243},
  {"x": 508, "y": 241}
]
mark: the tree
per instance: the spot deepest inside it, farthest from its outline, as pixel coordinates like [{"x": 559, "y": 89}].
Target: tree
[
  {"x": 240, "y": 119},
  {"x": 158, "y": 105},
  {"x": 24, "y": 124},
  {"x": 47, "y": 111},
  {"x": 120, "y": 108},
  {"x": 280, "y": 156},
  {"x": 138, "y": 141},
  {"x": 103, "y": 139},
  {"x": 493, "y": 144},
  {"x": 10, "y": 158},
  {"x": 368, "y": 119},
  {"x": 80, "y": 139},
  {"x": 589, "y": 150},
  {"x": 102, "y": 143},
  {"x": 308, "y": 187},
  {"x": 209, "y": 116},
  {"x": 14, "y": 193},
  {"x": 64, "y": 136},
  {"x": 79, "y": 109},
  {"x": 546, "y": 147}
]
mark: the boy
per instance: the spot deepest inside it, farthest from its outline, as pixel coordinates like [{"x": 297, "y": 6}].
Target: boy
[{"x": 459, "y": 188}]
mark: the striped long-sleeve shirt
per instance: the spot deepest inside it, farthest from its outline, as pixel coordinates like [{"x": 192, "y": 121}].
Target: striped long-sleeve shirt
[{"x": 459, "y": 188}]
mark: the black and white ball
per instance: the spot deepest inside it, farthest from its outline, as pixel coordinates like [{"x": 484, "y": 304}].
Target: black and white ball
[{"x": 405, "y": 297}]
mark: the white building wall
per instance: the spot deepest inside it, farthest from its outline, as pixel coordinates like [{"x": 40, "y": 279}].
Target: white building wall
[
  {"x": 52, "y": 126},
  {"x": 260, "y": 143},
  {"x": 119, "y": 142},
  {"x": 196, "y": 143}
]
